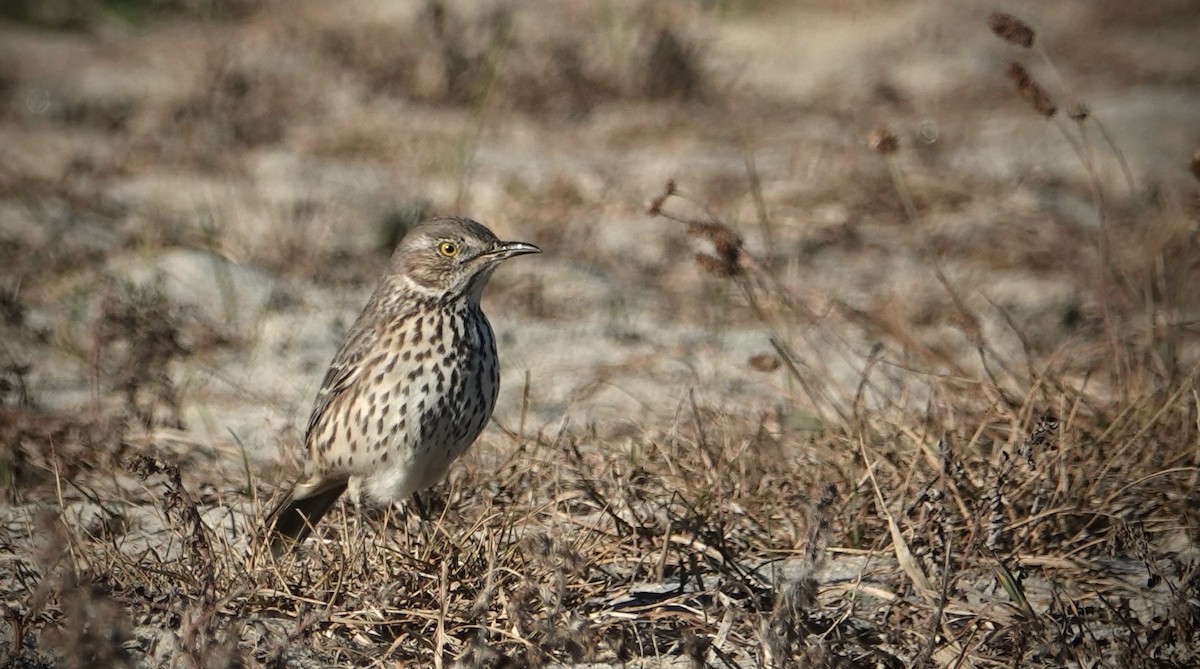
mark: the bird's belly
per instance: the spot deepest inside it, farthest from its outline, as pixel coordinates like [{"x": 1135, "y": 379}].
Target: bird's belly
[
  {"x": 387, "y": 484},
  {"x": 442, "y": 412}
]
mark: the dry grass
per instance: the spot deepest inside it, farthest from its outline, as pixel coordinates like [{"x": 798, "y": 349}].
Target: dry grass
[
  {"x": 1049, "y": 531},
  {"x": 1037, "y": 511}
]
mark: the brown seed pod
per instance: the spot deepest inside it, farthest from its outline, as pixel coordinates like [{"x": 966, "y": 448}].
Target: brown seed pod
[
  {"x": 1011, "y": 29},
  {"x": 1029, "y": 89},
  {"x": 764, "y": 362},
  {"x": 882, "y": 141},
  {"x": 727, "y": 257}
]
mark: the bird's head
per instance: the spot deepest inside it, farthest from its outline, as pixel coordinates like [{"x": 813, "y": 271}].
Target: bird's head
[{"x": 452, "y": 258}]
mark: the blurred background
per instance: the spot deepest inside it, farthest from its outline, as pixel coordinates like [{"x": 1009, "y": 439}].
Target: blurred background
[{"x": 197, "y": 196}]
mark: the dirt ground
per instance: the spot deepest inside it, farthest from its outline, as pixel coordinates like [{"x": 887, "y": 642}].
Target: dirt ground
[{"x": 843, "y": 351}]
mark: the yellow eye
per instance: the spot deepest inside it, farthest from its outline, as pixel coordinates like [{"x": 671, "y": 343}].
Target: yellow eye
[{"x": 448, "y": 249}]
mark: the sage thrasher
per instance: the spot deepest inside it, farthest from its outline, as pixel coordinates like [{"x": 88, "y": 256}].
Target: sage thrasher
[{"x": 413, "y": 384}]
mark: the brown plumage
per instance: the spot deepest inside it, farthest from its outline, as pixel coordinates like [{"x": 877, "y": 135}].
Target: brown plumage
[{"x": 413, "y": 384}]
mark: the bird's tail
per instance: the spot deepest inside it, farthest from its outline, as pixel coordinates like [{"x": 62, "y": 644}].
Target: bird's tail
[{"x": 294, "y": 518}]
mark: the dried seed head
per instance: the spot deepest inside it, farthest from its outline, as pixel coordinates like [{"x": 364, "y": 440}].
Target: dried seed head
[
  {"x": 1011, "y": 29},
  {"x": 725, "y": 241},
  {"x": 764, "y": 362},
  {"x": 727, "y": 260},
  {"x": 882, "y": 141},
  {"x": 1196, "y": 164},
  {"x": 716, "y": 266},
  {"x": 1029, "y": 89},
  {"x": 1043, "y": 437}
]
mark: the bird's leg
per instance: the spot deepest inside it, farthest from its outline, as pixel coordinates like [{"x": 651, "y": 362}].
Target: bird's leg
[
  {"x": 411, "y": 517},
  {"x": 361, "y": 523},
  {"x": 370, "y": 520},
  {"x": 420, "y": 507}
]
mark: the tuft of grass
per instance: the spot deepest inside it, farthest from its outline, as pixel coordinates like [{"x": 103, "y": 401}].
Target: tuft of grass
[
  {"x": 458, "y": 57},
  {"x": 89, "y": 14},
  {"x": 136, "y": 336}
]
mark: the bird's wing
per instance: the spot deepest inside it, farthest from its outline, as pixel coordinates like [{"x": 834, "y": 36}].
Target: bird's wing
[{"x": 343, "y": 373}]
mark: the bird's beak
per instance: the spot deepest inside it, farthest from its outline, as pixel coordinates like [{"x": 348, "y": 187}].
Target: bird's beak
[{"x": 509, "y": 249}]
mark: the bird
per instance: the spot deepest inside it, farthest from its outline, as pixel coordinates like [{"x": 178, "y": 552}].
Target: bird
[{"x": 412, "y": 385}]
